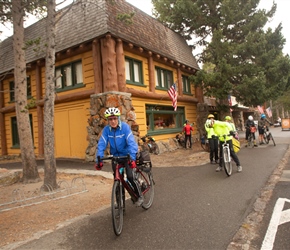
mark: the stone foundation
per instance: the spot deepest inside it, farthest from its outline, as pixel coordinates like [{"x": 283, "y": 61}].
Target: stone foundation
[{"x": 97, "y": 121}]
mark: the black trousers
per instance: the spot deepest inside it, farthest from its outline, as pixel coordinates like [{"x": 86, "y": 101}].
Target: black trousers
[
  {"x": 214, "y": 148},
  {"x": 188, "y": 137},
  {"x": 131, "y": 176}
]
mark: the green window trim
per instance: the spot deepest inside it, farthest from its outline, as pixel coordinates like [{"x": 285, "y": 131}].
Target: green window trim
[
  {"x": 69, "y": 76},
  {"x": 163, "y": 78},
  {"x": 12, "y": 87},
  {"x": 134, "y": 71},
  {"x": 14, "y": 132},
  {"x": 186, "y": 85},
  {"x": 163, "y": 119}
]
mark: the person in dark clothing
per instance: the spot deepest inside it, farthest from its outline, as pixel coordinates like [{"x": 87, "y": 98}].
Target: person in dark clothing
[
  {"x": 187, "y": 128},
  {"x": 251, "y": 128}
]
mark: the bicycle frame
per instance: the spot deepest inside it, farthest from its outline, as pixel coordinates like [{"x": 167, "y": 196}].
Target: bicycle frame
[
  {"x": 119, "y": 176},
  {"x": 145, "y": 179}
]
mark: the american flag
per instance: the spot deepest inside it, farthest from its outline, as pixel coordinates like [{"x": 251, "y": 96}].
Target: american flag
[
  {"x": 173, "y": 95},
  {"x": 260, "y": 109},
  {"x": 269, "y": 112}
]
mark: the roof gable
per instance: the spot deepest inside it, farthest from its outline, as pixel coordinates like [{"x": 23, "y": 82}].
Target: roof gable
[{"x": 85, "y": 23}]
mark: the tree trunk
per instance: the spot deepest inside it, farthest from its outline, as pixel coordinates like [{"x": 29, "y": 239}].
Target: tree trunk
[
  {"x": 30, "y": 172},
  {"x": 49, "y": 158}
]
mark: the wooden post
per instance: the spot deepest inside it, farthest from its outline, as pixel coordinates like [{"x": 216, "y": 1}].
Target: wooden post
[
  {"x": 39, "y": 110},
  {"x": 109, "y": 64},
  {"x": 120, "y": 66},
  {"x": 179, "y": 82},
  {"x": 97, "y": 67},
  {"x": 151, "y": 73}
]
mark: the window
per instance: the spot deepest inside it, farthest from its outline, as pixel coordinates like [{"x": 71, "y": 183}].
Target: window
[
  {"x": 69, "y": 76},
  {"x": 163, "y": 78},
  {"x": 186, "y": 85},
  {"x": 162, "y": 119},
  {"x": 14, "y": 128},
  {"x": 12, "y": 90},
  {"x": 133, "y": 71}
]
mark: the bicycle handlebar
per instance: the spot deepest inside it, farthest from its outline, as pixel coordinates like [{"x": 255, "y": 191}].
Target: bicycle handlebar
[{"x": 115, "y": 158}]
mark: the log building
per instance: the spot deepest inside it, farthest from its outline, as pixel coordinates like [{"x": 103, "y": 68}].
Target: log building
[{"x": 96, "y": 53}]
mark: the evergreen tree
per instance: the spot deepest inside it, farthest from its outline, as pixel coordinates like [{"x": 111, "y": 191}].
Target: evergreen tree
[{"x": 247, "y": 61}]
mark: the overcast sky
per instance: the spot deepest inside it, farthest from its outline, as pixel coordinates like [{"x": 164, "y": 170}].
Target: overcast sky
[
  {"x": 282, "y": 13},
  {"x": 281, "y": 16}
]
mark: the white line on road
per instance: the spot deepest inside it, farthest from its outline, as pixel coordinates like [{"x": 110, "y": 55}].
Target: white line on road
[{"x": 278, "y": 217}]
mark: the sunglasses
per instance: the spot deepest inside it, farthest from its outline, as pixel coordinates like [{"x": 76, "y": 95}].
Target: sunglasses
[{"x": 113, "y": 119}]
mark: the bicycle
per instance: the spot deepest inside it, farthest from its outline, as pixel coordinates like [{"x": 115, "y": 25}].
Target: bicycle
[
  {"x": 150, "y": 144},
  {"x": 251, "y": 137},
  {"x": 145, "y": 178},
  {"x": 204, "y": 143},
  {"x": 268, "y": 136},
  {"x": 226, "y": 157}
]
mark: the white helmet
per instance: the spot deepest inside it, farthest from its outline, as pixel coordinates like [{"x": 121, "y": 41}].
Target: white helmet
[
  {"x": 112, "y": 112},
  {"x": 250, "y": 118}
]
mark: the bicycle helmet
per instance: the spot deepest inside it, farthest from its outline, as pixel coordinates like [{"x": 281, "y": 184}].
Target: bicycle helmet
[
  {"x": 250, "y": 118},
  {"x": 112, "y": 112},
  {"x": 228, "y": 118},
  {"x": 210, "y": 116},
  {"x": 263, "y": 116}
]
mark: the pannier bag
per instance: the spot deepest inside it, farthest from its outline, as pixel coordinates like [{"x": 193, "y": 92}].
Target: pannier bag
[
  {"x": 236, "y": 145},
  {"x": 253, "y": 129},
  {"x": 143, "y": 157}
]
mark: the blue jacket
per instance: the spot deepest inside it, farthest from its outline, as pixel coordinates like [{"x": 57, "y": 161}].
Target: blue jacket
[{"x": 121, "y": 139}]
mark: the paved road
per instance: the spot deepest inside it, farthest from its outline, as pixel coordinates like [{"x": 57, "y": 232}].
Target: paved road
[
  {"x": 275, "y": 227},
  {"x": 194, "y": 208}
]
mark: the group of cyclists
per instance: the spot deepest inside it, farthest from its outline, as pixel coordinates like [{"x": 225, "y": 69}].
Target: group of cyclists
[
  {"x": 215, "y": 134},
  {"x": 251, "y": 128},
  {"x": 216, "y": 129},
  {"x": 119, "y": 136}
]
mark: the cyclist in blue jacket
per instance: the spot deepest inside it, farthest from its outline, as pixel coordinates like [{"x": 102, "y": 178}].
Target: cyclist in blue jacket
[{"x": 121, "y": 139}]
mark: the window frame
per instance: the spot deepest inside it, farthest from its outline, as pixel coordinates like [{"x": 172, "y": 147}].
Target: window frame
[
  {"x": 12, "y": 89},
  {"x": 152, "y": 110},
  {"x": 186, "y": 86},
  {"x": 132, "y": 62},
  {"x": 163, "y": 78},
  {"x": 14, "y": 131},
  {"x": 73, "y": 76}
]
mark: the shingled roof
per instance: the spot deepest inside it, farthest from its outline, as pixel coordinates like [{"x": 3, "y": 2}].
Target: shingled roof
[{"x": 83, "y": 24}]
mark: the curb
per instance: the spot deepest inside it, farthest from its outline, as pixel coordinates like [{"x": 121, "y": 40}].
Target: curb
[{"x": 250, "y": 227}]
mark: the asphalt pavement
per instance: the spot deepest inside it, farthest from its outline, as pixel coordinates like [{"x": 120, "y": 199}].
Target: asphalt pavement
[{"x": 274, "y": 227}]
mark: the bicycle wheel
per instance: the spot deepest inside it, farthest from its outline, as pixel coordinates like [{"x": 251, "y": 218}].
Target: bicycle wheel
[
  {"x": 272, "y": 138},
  {"x": 227, "y": 161},
  {"x": 147, "y": 188},
  {"x": 250, "y": 141},
  {"x": 117, "y": 207},
  {"x": 266, "y": 138}
]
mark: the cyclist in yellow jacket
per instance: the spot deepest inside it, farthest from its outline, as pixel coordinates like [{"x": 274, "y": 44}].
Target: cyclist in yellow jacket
[
  {"x": 224, "y": 128},
  {"x": 212, "y": 140}
]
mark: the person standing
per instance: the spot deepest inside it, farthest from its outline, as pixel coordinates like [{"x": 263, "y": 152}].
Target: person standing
[
  {"x": 229, "y": 120},
  {"x": 122, "y": 142},
  {"x": 187, "y": 128},
  {"x": 212, "y": 139},
  {"x": 250, "y": 127},
  {"x": 220, "y": 129},
  {"x": 261, "y": 127}
]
